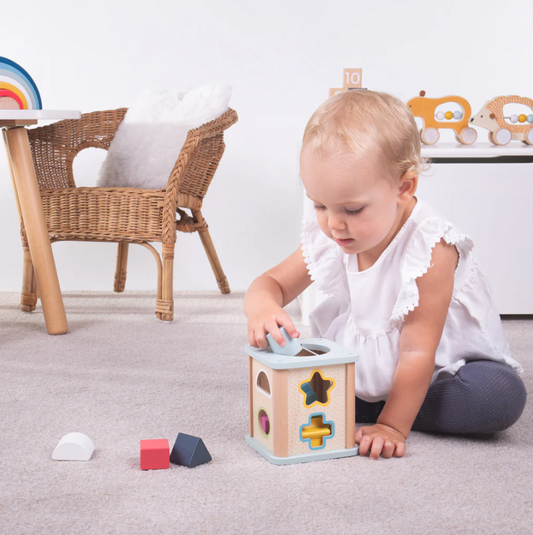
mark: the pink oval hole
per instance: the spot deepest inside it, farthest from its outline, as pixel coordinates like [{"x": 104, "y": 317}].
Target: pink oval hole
[{"x": 264, "y": 422}]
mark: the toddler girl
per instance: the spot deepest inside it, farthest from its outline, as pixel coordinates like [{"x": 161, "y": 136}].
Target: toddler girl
[{"x": 405, "y": 289}]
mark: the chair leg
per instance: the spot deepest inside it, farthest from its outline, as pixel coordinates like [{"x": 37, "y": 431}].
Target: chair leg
[
  {"x": 28, "y": 297},
  {"x": 207, "y": 242},
  {"x": 164, "y": 309},
  {"x": 121, "y": 269}
]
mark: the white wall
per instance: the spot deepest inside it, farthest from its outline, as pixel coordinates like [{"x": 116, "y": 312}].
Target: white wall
[{"x": 281, "y": 57}]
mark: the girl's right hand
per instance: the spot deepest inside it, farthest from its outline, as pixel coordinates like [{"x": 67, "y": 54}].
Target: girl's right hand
[{"x": 269, "y": 320}]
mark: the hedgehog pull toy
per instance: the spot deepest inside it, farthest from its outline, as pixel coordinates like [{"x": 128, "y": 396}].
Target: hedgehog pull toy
[{"x": 503, "y": 129}]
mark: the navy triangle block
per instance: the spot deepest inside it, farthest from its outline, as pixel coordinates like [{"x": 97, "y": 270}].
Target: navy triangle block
[{"x": 189, "y": 451}]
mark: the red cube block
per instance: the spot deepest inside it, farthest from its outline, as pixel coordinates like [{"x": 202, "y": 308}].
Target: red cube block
[{"x": 155, "y": 454}]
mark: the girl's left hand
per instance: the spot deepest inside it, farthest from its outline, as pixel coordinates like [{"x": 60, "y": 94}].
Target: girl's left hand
[{"x": 380, "y": 439}]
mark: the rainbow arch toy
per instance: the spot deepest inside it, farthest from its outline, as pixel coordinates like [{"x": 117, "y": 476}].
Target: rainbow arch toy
[{"x": 18, "y": 91}]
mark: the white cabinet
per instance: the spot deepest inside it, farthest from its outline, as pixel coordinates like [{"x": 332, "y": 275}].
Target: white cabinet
[{"x": 494, "y": 205}]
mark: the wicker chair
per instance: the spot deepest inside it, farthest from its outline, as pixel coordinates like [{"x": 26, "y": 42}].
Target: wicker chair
[{"x": 124, "y": 215}]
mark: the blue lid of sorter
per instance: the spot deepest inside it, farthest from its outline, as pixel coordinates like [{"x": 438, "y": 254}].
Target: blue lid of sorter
[{"x": 314, "y": 352}]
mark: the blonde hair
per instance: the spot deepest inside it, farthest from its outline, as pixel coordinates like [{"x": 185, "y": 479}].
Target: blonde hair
[{"x": 367, "y": 122}]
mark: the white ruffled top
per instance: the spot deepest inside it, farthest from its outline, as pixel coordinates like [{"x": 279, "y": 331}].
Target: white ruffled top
[{"x": 365, "y": 310}]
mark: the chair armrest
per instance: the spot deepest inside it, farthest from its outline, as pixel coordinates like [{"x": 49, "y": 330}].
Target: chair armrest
[
  {"x": 55, "y": 146},
  {"x": 195, "y": 167}
]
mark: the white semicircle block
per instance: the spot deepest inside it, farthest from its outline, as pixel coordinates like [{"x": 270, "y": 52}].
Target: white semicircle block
[{"x": 73, "y": 447}]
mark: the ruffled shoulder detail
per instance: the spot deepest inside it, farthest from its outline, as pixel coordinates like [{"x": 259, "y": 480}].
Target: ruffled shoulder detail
[
  {"x": 417, "y": 260},
  {"x": 325, "y": 260}
]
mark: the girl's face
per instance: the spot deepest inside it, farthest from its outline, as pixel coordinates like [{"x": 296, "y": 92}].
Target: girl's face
[{"x": 356, "y": 203}]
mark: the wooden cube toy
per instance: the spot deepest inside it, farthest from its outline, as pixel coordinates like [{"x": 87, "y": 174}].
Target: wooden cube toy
[
  {"x": 155, "y": 454},
  {"x": 302, "y": 406}
]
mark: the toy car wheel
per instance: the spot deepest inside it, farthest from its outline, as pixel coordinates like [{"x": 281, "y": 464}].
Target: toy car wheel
[
  {"x": 501, "y": 136},
  {"x": 467, "y": 136},
  {"x": 429, "y": 136},
  {"x": 528, "y": 137}
]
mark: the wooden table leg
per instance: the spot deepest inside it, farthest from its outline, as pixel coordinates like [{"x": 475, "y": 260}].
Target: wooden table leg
[{"x": 36, "y": 231}]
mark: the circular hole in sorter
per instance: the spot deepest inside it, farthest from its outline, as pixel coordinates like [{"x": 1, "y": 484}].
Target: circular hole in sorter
[{"x": 264, "y": 422}]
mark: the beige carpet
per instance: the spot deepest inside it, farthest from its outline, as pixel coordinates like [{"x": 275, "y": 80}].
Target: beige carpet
[{"x": 121, "y": 376}]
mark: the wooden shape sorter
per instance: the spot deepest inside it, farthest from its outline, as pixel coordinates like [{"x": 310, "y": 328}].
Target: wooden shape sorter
[{"x": 302, "y": 407}]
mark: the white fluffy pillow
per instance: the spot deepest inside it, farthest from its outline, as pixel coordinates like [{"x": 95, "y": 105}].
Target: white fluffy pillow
[{"x": 149, "y": 139}]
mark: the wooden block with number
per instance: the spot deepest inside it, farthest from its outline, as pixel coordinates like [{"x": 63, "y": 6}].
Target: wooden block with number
[
  {"x": 352, "y": 78},
  {"x": 335, "y": 90}
]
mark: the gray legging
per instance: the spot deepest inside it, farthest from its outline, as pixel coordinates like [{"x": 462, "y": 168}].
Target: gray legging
[{"x": 482, "y": 397}]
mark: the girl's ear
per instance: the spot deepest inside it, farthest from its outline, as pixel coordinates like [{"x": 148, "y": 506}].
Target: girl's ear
[{"x": 407, "y": 188}]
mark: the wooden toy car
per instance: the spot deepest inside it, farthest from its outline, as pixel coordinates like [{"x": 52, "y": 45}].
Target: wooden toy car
[
  {"x": 504, "y": 129},
  {"x": 425, "y": 109}
]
